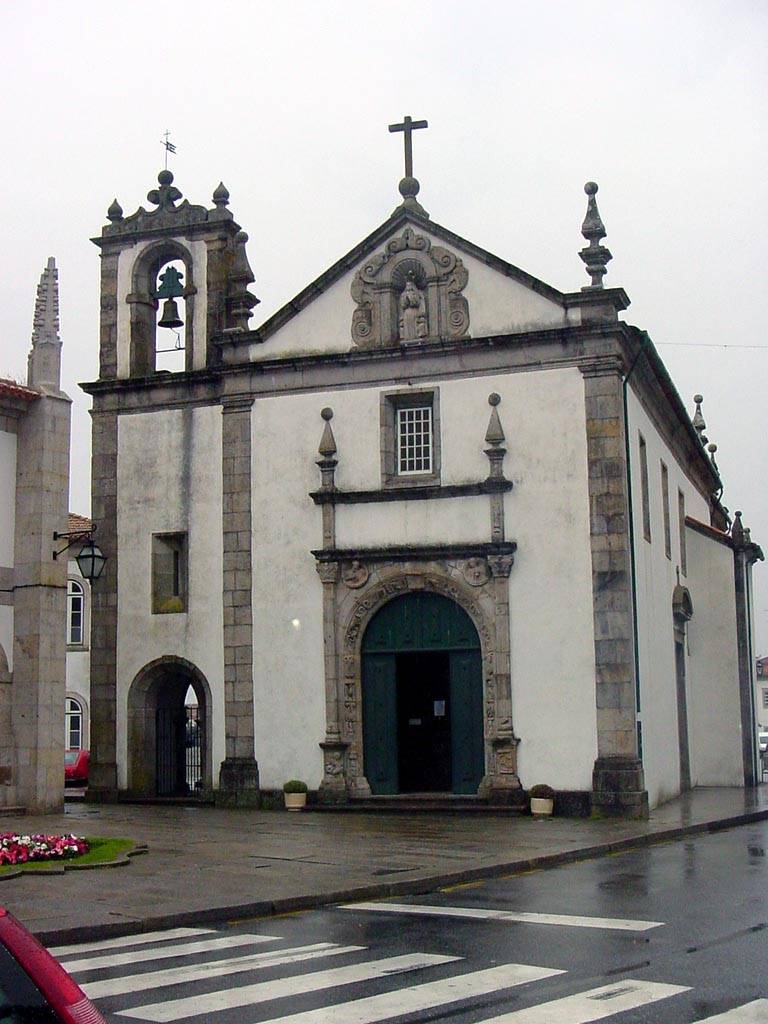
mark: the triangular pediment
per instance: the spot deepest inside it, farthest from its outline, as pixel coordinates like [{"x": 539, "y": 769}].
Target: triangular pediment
[{"x": 411, "y": 280}]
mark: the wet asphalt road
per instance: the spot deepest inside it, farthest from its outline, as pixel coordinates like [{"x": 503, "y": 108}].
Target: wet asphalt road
[{"x": 690, "y": 915}]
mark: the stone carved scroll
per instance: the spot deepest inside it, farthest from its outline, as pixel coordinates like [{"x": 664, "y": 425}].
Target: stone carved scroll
[{"x": 410, "y": 291}]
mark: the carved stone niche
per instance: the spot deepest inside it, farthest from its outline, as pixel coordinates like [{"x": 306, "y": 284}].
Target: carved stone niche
[{"x": 408, "y": 293}]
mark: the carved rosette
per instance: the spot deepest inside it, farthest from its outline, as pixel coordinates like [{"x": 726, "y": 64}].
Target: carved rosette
[{"x": 437, "y": 273}]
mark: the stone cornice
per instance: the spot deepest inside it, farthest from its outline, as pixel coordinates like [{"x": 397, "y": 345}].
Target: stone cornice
[
  {"x": 415, "y": 553},
  {"x": 413, "y": 492},
  {"x": 709, "y": 531}
]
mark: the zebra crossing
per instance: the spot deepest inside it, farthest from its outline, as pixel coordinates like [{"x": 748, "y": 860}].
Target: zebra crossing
[{"x": 250, "y": 978}]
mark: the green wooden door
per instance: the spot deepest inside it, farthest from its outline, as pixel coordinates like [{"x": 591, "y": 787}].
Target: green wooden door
[
  {"x": 467, "y": 746},
  {"x": 380, "y": 723},
  {"x": 421, "y": 622}
]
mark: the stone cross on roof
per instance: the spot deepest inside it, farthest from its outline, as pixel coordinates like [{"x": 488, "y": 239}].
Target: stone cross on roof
[
  {"x": 408, "y": 127},
  {"x": 409, "y": 186}
]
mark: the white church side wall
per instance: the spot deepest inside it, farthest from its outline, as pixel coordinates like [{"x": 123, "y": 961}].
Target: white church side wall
[
  {"x": 547, "y": 514},
  {"x": 655, "y": 582},
  {"x": 7, "y": 532},
  {"x": 713, "y": 667},
  {"x": 169, "y": 480}
]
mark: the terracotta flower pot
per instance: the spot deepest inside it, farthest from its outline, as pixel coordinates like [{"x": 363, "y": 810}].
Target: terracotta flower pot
[
  {"x": 541, "y": 806},
  {"x": 295, "y": 801}
]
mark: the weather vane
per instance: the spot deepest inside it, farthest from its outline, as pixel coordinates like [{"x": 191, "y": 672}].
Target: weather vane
[{"x": 168, "y": 146}]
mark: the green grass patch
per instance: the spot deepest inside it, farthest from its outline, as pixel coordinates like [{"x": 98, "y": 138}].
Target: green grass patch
[{"x": 102, "y": 851}]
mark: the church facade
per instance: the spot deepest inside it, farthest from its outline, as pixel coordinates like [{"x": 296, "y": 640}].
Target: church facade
[{"x": 434, "y": 527}]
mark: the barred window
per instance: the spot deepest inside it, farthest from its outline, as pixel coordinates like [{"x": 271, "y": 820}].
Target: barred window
[
  {"x": 410, "y": 438},
  {"x": 414, "y": 440}
]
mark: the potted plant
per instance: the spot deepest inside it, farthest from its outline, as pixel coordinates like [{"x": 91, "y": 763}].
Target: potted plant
[
  {"x": 542, "y": 799},
  {"x": 295, "y": 794}
]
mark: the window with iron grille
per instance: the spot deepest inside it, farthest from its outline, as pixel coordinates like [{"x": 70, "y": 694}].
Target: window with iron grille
[
  {"x": 74, "y": 724},
  {"x": 410, "y": 438},
  {"x": 414, "y": 440}
]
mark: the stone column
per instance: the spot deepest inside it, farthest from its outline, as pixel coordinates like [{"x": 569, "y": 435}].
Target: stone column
[
  {"x": 618, "y": 783},
  {"x": 40, "y": 587},
  {"x": 102, "y": 782},
  {"x": 239, "y": 773}
]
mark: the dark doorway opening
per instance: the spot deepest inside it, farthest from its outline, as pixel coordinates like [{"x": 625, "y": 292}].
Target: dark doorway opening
[
  {"x": 682, "y": 718},
  {"x": 422, "y": 692},
  {"x": 424, "y": 722},
  {"x": 179, "y": 737}
]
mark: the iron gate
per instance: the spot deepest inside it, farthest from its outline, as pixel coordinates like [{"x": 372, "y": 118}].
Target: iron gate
[{"x": 180, "y": 738}]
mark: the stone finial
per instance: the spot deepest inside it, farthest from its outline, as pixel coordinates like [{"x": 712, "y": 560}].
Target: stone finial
[
  {"x": 494, "y": 435},
  {"x": 698, "y": 420},
  {"x": 594, "y": 256},
  {"x": 240, "y": 301},
  {"x": 44, "y": 365},
  {"x": 115, "y": 211},
  {"x": 737, "y": 530},
  {"x": 409, "y": 189},
  {"x": 166, "y": 196},
  {"x": 712, "y": 448},
  {"x": 221, "y": 195},
  {"x": 327, "y": 446}
]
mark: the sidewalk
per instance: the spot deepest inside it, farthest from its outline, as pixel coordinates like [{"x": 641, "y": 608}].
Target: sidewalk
[{"x": 205, "y": 864}]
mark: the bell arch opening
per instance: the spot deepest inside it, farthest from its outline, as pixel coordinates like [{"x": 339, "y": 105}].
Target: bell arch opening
[
  {"x": 162, "y": 310},
  {"x": 169, "y": 734},
  {"x": 422, "y": 698}
]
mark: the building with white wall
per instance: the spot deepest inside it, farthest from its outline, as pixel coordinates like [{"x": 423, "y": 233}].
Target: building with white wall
[
  {"x": 435, "y": 526},
  {"x": 78, "y": 638},
  {"x": 34, "y": 484}
]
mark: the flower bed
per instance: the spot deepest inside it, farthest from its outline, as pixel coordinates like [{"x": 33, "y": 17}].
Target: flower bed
[{"x": 18, "y": 849}]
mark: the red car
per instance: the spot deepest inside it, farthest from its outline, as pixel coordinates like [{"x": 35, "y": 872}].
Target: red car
[
  {"x": 33, "y": 985},
  {"x": 76, "y": 767}
]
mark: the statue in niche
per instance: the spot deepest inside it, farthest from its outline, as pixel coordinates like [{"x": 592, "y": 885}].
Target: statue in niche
[{"x": 413, "y": 311}]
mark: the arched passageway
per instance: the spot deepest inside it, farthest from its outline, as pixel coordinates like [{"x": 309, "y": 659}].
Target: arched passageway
[
  {"x": 169, "y": 751},
  {"x": 422, "y": 698}
]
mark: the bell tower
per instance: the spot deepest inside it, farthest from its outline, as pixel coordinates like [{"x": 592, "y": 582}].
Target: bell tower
[{"x": 211, "y": 287}]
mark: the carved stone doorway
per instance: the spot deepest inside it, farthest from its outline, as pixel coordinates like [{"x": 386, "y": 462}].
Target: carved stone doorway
[{"x": 422, "y": 693}]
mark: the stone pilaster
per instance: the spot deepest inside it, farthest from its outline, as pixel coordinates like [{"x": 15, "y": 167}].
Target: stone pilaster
[
  {"x": 40, "y": 586},
  {"x": 618, "y": 782},
  {"x": 239, "y": 773},
  {"x": 103, "y": 769}
]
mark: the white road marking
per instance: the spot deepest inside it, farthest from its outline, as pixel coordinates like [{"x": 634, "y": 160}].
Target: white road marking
[
  {"x": 595, "y": 1004},
  {"x": 420, "y": 997},
  {"x": 750, "y": 1013},
  {"x": 478, "y": 913},
  {"x": 279, "y": 988},
  {"x": 136, "y": 956},
  {"x": 211, "y": 969},
  {"x": 129, "y": 940}
]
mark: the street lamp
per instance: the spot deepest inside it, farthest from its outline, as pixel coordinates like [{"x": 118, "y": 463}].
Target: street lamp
[{"x": 90, "y": 561}]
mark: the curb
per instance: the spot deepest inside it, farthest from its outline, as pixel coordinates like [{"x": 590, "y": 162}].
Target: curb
[{"x": 379, "y": 890}]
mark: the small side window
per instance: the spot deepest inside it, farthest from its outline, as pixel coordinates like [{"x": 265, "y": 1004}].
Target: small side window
[
  {"x": 75, "y": 613},
  {"x": 169, "y": 573},
  {"x": 74, "y": 724}
]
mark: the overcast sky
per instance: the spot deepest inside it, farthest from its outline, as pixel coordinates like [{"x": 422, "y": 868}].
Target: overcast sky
[{"x": 662, "y": 103}]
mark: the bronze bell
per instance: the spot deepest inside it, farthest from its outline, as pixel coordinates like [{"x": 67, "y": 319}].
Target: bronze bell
[{"x": 170, "y": 317}]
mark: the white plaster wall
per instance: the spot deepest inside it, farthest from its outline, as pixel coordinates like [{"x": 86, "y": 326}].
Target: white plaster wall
[
  {"x": 550, "y": 585},
  {"x": 714, "y": 719},
  {"x": 169, "y": 480},
  {"x": 7, "y": 531},
  {"x": 656, "y": 579},
  {"x": 125, "y": 264},
  {"x": 497, "y": 305}
]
